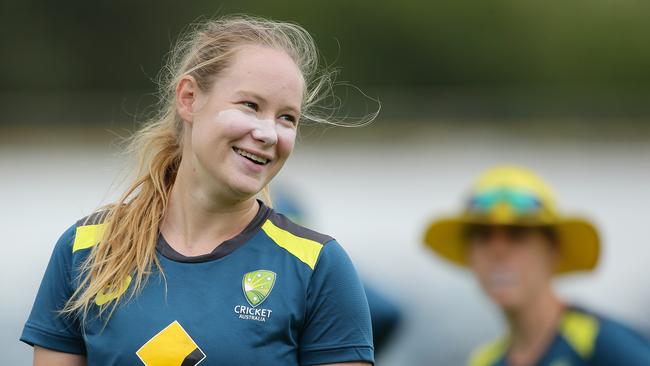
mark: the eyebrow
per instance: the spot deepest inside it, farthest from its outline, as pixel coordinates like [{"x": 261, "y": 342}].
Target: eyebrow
[{"x": 254, "y": 95}]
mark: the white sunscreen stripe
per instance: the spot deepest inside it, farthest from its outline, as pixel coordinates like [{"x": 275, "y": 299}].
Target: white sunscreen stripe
[{"x": 247, "y": 117}]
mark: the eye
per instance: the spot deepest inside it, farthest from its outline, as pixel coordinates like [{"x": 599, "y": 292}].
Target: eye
[
  {"x": 477, "y": 234},
  {"x": 251, "y": 105},
  {"x": 289, "y": 118}
]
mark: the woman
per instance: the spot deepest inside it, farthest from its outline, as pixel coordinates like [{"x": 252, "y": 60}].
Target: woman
[
  {"x": 514, "y": 241},
  {"x": 188, "y": 267}
]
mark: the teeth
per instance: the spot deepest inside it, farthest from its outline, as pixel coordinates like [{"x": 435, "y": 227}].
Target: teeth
[{"x": 254, "y": 157}]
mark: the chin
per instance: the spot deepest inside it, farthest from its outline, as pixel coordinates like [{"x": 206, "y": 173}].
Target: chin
[
  {"x": 247, "y": 187},
  {"x": 505, "y": 300}
]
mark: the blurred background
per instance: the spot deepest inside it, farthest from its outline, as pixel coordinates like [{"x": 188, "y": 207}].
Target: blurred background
[{"x": 562, "y": 87}]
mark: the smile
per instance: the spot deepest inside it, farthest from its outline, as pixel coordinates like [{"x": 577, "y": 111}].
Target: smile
[
  {"x": 252, "y": 157},
  {"x": 499, "y": 279}
]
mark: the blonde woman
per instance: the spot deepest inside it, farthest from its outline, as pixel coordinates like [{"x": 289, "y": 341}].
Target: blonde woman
[{"x": 188, "y": 267}]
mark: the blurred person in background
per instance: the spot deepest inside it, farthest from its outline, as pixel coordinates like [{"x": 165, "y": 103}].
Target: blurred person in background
[
  {"x": 385, "y": 314},
  {"x": 514, "y": 240},
  {"x": 188, "y": 266}
]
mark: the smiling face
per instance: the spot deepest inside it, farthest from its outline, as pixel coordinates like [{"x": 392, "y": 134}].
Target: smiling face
[
  {"x": 243, "y": 129},
  {"x": 512, "y": 263}
]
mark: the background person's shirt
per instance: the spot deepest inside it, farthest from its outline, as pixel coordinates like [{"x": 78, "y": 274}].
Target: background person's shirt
[
  {"x": 276, "y": 294},
  {"x": 582, "y": 339}
]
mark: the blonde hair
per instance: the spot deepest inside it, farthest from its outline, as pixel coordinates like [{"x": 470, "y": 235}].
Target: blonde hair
[{"x": 127, "y": 246}]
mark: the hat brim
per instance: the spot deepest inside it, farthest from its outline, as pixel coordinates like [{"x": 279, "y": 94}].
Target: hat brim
[{"x": 579, "y": 244}]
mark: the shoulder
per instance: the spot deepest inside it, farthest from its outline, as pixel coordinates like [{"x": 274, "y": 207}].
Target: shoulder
[
  {"x": 613, "y": 329},
  {"x": 95, "y": 218},
  {"x": 580, "y": 329},
  {"x": 83, "y": 234},
  {"x": 280, "y": 222},
  {"x": 594, "y": 336},
  {"x": 88, "y": 231},
  {"x": 305, "y": 244},
  {"x": 69, "y": 250},
  {"x": 619, "y": 341},
  {"x": 489, "y": 353}
]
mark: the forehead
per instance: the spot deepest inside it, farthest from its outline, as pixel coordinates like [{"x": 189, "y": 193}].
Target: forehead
[{"x": 266, "y": 71}]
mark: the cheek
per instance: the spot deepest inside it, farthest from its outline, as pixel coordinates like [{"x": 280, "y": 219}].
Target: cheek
[
  {"x": 203, "y": 136},
  {"x": 534, "y": 267},
  {"x": 477, "y": 262},
  {"x": 210, "y": 131},
  {"x": 472, "y": 258},
  {"x": 233, "y": 123},
  {"x": 286, "y": 140}
]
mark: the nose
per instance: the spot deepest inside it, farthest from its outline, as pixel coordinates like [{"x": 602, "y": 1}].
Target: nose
[
  {"x": 265, "y": 132},
  {"x": 497, "y": 243}
]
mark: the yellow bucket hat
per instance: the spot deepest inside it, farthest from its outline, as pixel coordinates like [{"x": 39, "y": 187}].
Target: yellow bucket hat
[{"x": 510, "y": 195}]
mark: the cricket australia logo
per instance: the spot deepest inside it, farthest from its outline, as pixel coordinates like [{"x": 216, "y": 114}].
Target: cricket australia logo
[{"x": 257, "y": 287}]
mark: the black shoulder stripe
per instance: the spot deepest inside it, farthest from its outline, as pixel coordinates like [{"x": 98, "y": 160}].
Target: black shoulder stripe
[
  {"x": 93, "y": 219},
  {"x": 284, "y": 223}
]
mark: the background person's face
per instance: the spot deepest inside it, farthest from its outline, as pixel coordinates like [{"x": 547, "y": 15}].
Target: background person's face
[
  {"x": 245, "y": 127},
  {"x": 513, "y": 264}
]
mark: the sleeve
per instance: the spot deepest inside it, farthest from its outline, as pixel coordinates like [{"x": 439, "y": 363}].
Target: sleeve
[
  {"x": 45, "y": 327},
  {"x": 337, "y": 325},
  {"x": 617, "y": 344}
]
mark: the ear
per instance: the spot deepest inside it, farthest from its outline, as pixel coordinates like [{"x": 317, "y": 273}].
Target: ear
[{"x": 186, "y": 94}]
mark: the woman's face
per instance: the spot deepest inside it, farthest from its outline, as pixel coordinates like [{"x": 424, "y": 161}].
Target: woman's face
[
  {"x": 512, "y": 263},
  {"x": 243, "y": 129}
]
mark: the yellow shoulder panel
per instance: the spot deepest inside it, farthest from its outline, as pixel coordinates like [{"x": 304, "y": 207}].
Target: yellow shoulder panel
[
  {"x": 488, "y": 354},
  {"x": 304, "y": 249},
  {"x": 580, "y": 330},
  {"x": 87, "y": 236}
]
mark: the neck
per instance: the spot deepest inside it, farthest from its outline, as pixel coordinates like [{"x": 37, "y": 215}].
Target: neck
[
  {"x": 533, "y": 326},
  {"x": 197, "y": 221}
]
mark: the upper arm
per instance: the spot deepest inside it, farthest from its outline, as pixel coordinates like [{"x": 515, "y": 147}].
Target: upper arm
[
  {"x": 337, "y": 325},
  {"x": 46, "y": 326},
  {"x": 48, "y": 357},
  {"x": 617, "y": 344}
]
